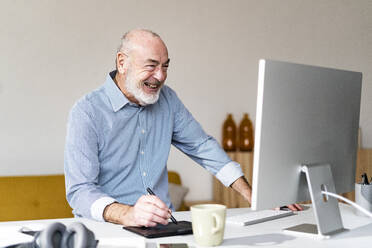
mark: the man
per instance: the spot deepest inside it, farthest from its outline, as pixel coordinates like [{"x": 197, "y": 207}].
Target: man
[{"x": 119, "y": 137}]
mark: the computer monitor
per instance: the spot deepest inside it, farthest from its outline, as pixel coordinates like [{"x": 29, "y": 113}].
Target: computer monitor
[{"x": 307, "y": 124}]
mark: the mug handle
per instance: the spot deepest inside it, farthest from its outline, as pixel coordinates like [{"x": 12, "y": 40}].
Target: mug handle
[{"x": 218, "y": 223}]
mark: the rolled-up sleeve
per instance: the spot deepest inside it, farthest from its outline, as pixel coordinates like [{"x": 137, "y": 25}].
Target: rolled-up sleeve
[{"x": 82, "y": 166}]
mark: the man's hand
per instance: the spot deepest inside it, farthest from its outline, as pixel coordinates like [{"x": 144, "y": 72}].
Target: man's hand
[
  {"x": 149, "y": 210},
  {"x": 293, "y": 207}
]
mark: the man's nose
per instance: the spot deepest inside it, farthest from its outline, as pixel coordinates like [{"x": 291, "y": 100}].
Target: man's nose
[{"x": 160, "y": 74}]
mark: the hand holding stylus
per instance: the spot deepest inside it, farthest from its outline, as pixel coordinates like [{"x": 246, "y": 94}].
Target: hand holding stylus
[{"x": 171, "y": 217}]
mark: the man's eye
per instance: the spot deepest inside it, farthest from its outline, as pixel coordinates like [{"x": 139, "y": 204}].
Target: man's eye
[{"x": 150, "y": 66}]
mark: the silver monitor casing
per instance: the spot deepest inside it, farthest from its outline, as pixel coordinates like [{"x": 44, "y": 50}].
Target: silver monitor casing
[{"x": 306, "y": 115}]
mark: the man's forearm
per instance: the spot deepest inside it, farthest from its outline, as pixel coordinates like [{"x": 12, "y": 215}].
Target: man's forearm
[
  {"x": 117, "y": 213},
  {"x": 149, "y": 210},
  {"x": 242, "y": 186}
]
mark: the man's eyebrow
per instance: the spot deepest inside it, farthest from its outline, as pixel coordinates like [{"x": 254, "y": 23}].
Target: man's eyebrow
[{"x": 156, "y": 61}]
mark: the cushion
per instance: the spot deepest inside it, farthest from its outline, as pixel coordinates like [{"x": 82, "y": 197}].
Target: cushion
[{"x": 177, "y": 193}]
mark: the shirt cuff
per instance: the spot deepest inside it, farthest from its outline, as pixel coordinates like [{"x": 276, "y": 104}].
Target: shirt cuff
[
  {"x": 229, "y": 173},
  {"x": 97, "y": 208}
]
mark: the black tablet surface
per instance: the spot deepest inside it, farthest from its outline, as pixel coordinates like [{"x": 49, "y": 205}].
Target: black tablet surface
[{"x": 183, "y": 227}]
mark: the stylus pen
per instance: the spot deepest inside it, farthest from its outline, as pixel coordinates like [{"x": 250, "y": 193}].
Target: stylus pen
[{"x": 171, "y": 217}]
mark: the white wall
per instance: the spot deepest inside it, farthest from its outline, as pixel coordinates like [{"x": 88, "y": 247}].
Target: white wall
[{"x": 53, "y": 52}]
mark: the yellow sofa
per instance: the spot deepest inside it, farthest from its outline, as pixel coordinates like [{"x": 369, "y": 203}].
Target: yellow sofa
[
  {"x": 41, "y": 197},
  {"x": 33, "y": 197}
]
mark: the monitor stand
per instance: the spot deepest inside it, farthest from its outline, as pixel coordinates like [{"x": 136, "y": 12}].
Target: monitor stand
[{"x": 326, "y": 209}]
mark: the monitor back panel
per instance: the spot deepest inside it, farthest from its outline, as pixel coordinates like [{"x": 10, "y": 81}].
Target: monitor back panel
[{"x": 305, "y": 115}]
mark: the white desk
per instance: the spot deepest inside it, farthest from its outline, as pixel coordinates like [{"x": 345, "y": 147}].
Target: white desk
[{"x": 268, "y": 234}]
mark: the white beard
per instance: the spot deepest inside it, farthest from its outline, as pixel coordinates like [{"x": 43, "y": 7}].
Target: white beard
[{"x": 133, "y": 87}]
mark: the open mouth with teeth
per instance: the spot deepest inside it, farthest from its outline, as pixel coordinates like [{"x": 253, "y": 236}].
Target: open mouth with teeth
[{"x": 151, "y": 87}]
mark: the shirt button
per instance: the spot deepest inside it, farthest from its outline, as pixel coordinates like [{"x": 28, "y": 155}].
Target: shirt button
[
  {"x": 143, "y": 131},
  {"x": 142, "y": 152},
  {"x": 144, "y": 174}
]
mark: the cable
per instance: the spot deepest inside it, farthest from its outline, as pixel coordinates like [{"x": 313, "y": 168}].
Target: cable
[{"x": 369, "y": 214}]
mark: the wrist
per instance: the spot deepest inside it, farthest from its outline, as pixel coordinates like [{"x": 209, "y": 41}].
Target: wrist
[
  {"x": 116, "y": 213},
  {"x": 242, "y": 186}
]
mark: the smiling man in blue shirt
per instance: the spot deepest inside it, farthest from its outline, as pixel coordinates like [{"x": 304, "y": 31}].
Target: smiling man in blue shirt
[{"x": 119, "y": 138}]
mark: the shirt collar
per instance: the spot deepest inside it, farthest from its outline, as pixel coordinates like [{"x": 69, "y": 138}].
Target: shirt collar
[{"x": 117, "y": 98}]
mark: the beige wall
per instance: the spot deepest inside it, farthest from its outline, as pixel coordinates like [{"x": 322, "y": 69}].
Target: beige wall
[{"x": 53, "y": 52}]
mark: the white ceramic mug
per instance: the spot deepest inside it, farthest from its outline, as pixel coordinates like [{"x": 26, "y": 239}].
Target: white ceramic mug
[{"x": 208, "y": 223}]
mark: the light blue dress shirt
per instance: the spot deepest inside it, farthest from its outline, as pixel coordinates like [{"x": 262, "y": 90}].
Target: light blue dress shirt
[{"x": 115, "y": 149}]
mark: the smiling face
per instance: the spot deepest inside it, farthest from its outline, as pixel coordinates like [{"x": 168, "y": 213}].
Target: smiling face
[{"x": 142, "y": 68}]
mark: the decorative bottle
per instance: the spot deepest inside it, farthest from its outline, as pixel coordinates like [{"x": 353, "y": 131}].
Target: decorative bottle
[
  {"x": 229, "y": 134},
  {"x": 246, "y": 134}
]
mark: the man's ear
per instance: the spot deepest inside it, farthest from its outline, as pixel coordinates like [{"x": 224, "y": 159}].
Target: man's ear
[{"x": 121, "y": 62}]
